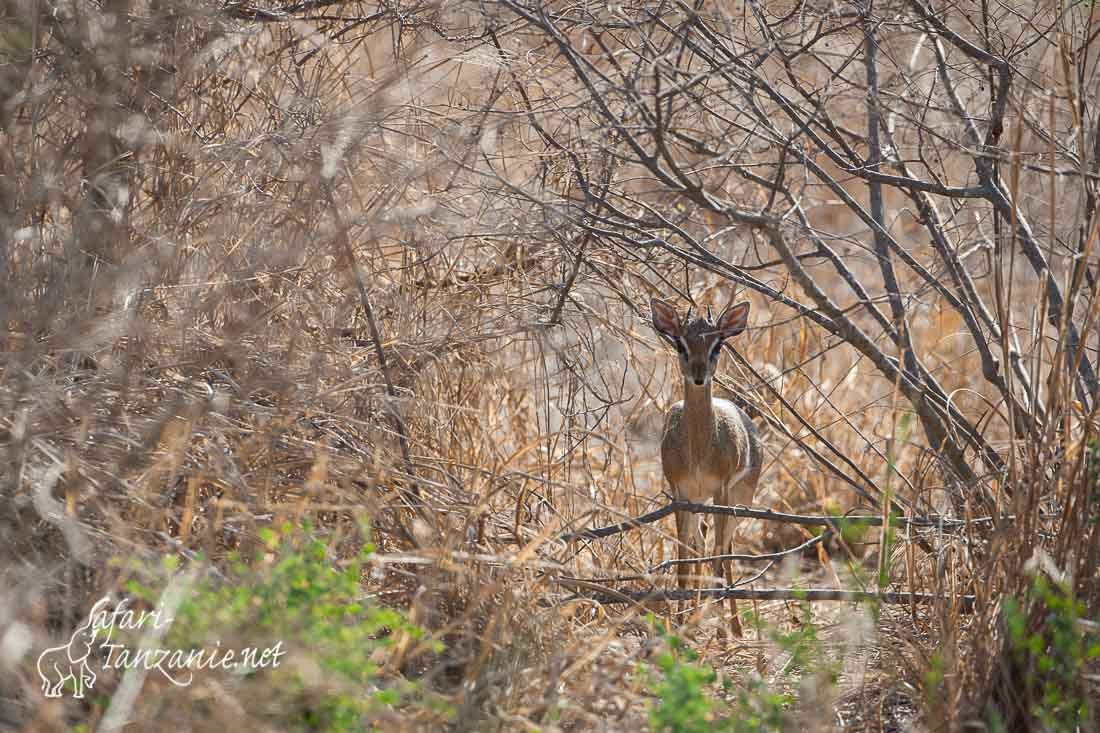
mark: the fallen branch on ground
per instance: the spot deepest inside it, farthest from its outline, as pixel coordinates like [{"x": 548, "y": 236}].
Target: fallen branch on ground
[{"x": 611, "y": 596}]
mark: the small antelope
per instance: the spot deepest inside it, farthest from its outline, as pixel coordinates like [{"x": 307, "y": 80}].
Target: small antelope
[{"x": 710, "y": 449}]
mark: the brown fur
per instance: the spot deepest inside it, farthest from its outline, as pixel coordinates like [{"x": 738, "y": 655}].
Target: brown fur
[{"x": 709, "y": 450}]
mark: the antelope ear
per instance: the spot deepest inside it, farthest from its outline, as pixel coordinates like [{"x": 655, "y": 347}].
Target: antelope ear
[
  {"x": 665, "y": 319},
  {"x": 733, "y": 320}
]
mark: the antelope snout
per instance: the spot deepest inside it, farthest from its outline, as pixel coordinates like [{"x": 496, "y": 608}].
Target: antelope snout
[{"x": 699, "y": 373}]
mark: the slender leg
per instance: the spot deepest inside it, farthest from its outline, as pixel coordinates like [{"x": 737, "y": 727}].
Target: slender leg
[
  {"x": 723, "y": 569},
  {"x": 683, "y": 537},
  {"x": 735, "y": 625},
  {"x": 687, "y": 527},
  {"x": 698, "y": 549}
]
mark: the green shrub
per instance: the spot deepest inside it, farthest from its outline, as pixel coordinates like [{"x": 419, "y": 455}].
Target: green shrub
[
  {"x": 1050, "y": 658},
  {"x": 682, "y": 700},
  {"x": 294, "y": 594},
  {"x": 686, "y": 689}
]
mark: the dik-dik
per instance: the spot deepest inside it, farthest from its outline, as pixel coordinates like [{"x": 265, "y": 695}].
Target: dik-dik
[{"x": 710, "y": 449}]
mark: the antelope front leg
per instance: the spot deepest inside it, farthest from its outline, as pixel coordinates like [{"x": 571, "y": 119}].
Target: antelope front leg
[
  {"x": 723, "y": 569},
  {"x": 686, "y": 547}
]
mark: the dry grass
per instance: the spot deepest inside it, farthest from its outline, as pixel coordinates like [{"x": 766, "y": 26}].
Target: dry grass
[{"x": 189, "y": 202}]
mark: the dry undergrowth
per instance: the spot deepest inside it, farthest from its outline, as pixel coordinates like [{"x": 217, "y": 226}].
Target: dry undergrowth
[{"x": 198, "y": 207}]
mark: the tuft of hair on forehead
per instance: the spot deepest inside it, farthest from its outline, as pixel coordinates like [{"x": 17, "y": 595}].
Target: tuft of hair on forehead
[{"x": 700, "y": 326}]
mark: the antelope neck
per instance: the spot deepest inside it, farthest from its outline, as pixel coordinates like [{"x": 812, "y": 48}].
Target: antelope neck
[{"x": 698, "y": 416}]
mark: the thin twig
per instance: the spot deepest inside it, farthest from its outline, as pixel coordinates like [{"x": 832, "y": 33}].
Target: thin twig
[
  {"x": 411, "y": 494},
  {"x": 770, "y": 557}
]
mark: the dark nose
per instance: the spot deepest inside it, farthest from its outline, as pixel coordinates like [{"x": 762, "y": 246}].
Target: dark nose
[{"x": 699, "y": 381}]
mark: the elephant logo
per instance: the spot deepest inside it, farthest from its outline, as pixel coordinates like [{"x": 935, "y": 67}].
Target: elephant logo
[{"x": 69, "y": 662}]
